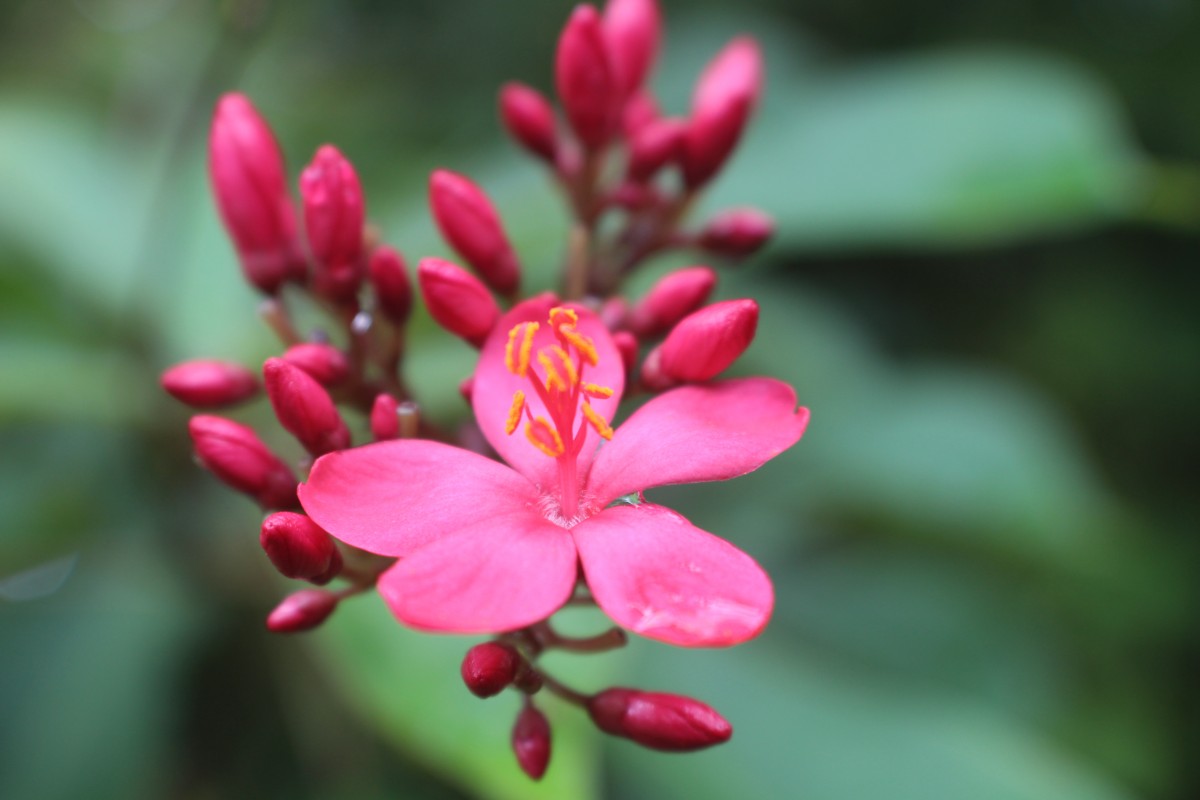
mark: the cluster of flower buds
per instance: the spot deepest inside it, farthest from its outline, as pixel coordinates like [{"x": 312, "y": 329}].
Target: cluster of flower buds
[{"x": 613, "y": 157}]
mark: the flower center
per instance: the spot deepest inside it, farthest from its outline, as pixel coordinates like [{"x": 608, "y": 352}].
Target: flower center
[{"x": 555, "y": 373}]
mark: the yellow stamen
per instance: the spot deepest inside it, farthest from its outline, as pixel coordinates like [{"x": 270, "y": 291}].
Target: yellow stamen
[
  {"x": 599, "y": 392},
  {"x": 543, "y": 437},
  {"x": 554, "y": 378},
  {"x": 516, "y": 357},
  {"x": 514, "y": 413},
  {"x": 582, "y": 344},
  {"x": 568, "y": 366},
  {"x": 563, "y": 316},
  {"x": 598, "y": 422}
]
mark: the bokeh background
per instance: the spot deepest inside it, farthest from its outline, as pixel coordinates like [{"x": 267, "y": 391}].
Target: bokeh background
[{"x": 984, "y": 286}]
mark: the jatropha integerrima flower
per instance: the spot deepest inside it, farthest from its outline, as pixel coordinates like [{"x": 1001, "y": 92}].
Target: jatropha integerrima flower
[{"x": 459, "y": 542}]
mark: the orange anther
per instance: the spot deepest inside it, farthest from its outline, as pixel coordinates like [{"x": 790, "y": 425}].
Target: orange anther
[
  {"x": 543, "y": 437},
  {"x": 514, "y": 413},
  {"x": 598, "y": 422},
  {"x": 559, "y": 316},
  {"x": 516, "y": 355},
  {"x": 599, "y": 392},
  {"x": 554, "y": 379}
]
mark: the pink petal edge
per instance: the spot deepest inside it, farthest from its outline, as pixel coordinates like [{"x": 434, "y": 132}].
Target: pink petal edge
[
  {"x": 394, "y": 497},
  {"x": 656, "y": 574},
  {"x": 709, "y": 432}
]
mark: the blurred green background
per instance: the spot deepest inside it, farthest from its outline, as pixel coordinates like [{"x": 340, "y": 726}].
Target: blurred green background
[{"x": 984, "y": 287}]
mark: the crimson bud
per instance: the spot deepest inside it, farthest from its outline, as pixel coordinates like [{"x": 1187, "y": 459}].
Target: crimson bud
[
  {"x": 736, "y": 233},
  {"x": 297, "y": 546},
  {"x": 627, "y": 346},
  {"x": 529, "y": 119},
  {"x": 209, "y": 384},
  {"x": 589, "y": 88},
  {"x": 676, "y": 295},
  {"x": 333, "y": 220},
  {"x": 384, "y": 422},
  {"x": 471, "y": 225},
  {"x": 302, "y": 611},
  {"x": 457, "y": 300},
  {"x": 658, "y": 721},
  {"x": 249, "y": 184},
  {"x": 703, "y": 344},
  {"x": 235, "y": 454},
  {"x": 322, "y": 361},
  {"x": 489, "y": 667},
  {"x": 640, "y": 110},
  {"x": 304, "y": 408},
  {"x": 531, "y": 741},
  {"x": 632, "y": 29},
  {"x": 724, "y": 98},
  {"x": 655, "y": 144},
  {"x": 393, "y": 290}
]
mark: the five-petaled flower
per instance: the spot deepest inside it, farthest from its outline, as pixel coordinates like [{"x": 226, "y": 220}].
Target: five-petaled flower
[{"x": 486, "y": 548}]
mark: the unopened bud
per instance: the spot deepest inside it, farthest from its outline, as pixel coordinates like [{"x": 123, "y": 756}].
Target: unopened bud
[
  {"x": 467, "y": 219},
  {"x": 632, "y": 29},
  {"x": 457, "y": 300},
  {"x": 725, "y": 96},
  {"x": 302, "y": 611},
  {"x": 703, "y": 344},
  {"x": 304, "y": 408},
  {"x": 235, "y": 454},
  {"x": 587, "y": 85},
  {"x": 658, "y": 721},
  {"x": 384, "y": 424},
  {"x": 640, "y": 111},
  {"x": 465, "y": 387},
  {"x": 209, "y": 384},
  {"x": 653, "y": 146},
  {"x": 676, "y": 295},
  {"x": 736, "y": 233},
  {"x": 393, "y": 290},
  {"x": 529, "y": 119},
  {"x": 489, "y": 667},
  {"x": 297, "y": 546},
  {"x": 627, "y": 346},
  {"x": 531, "y": 741},
  {"x": 333, "y": 220},
  {"x": 324, "y": 362},
  {"x": 250, "y": 185}
]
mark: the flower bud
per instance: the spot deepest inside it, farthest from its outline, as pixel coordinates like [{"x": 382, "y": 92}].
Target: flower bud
[
  {"x": 703, "y": 344},
  {"x": 249, "y": 183},
  {"x": 676, "y": 295},
  {"x": 235, "y": 454},
  {"x": 489, "y": 667},
  {"x": 457, "y": 300},
  {"x": 297, "y": 546},
  {"x": 736, "y": 233},
  {"x": 531, "y": 741},
  {"x": 393, "y": 290},
  {"x": 529, "y": 119},
  {"x": 333, "y": 219},
  {"x": 384, "y": 422},
  {"x": 632, "y": 29},
  {"x": 302, "y": 611},
  {"x": 324, "y": 362},
  {"x": 640, "y": 111},
  {"x": 304, "y": 408},
  {"x": 655, "y": 144},
  {"x": 587, "y": 85},
  {"x": 658, "y": 721},
  {"x": 209, "y": 384},
  {"x": 466, "y": 387},
  {"x": 627, "y": 346},
  {"x": 471, "y": 225},
  {"x": 724, "y": 98}
]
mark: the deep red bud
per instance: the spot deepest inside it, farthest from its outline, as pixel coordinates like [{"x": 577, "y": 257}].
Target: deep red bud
[
  {"x": 676, "y": 295},
  {"x": 250, "y": 186},
  {"x": 465, "y": 387},
  {"x": 384, "y": 422},
  {"x": 736, "y": 233},
  {"x": 703, "y": 344},
  {"x": 489, "y": 667},
  {"x": 529, "y": 119},
  {"x": 633, "y": 29},
  {"x": 640, "y": 111},
  {"x": 209, "y": 384},
  {"x": 627, "y": 346},
  {"x": 302, "y": 611},
  {"x": 587, "y": 84},
  {"x": 297, "y": 546},
  {"x": 653, "y": 146},
  {"x": 471, "y": 225},
  {"x": 324, "y": 362},
  {"x": 457, "y": 300},
  {"x": 531, "y": 741},
  {"x": 333, "y": 219},
  {"x": 304, "y": 408},
  {"x": 393, "y": 290},
  {"x": 235, "y": 454},
  {"x": 658, "y": 721},
  {"x": 725, "y": 96}
]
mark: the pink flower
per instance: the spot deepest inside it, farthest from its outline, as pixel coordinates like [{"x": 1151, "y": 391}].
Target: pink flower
[{"x": 485, "y": 547}]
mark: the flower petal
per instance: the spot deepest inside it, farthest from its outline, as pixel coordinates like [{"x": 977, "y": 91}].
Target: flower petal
[
  {"x": 656, "y": 574},
  {"x": 494, "y": 386},
  {"x": 393, "y": 497},
  {"x": 500, "y": 574},
  {"x": 711, "y": 432}
]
